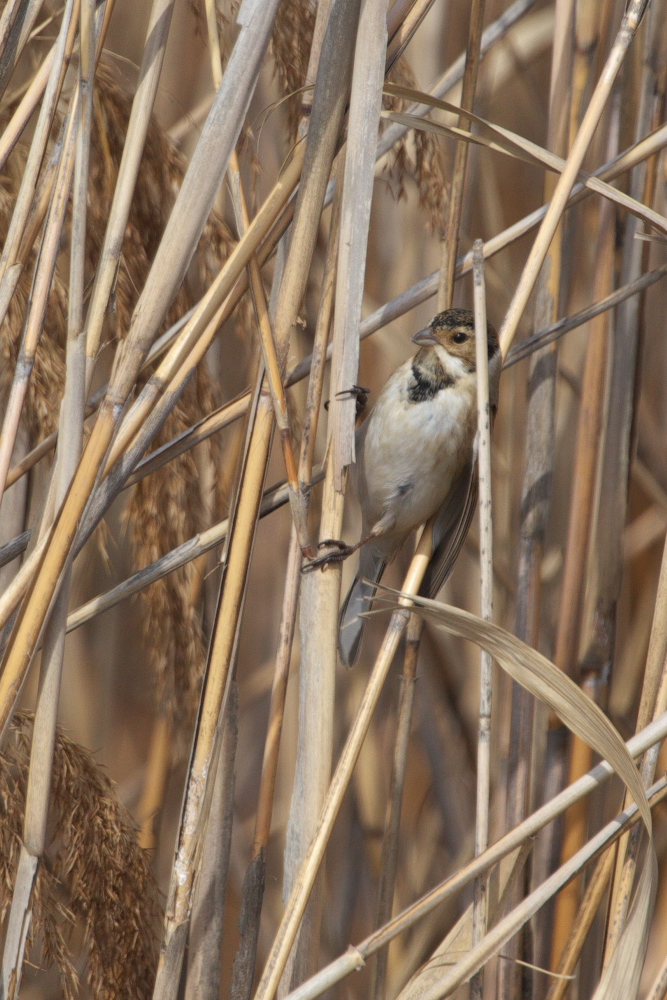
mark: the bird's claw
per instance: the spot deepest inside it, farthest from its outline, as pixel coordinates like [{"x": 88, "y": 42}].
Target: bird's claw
[{"x": 340, "y": 553}]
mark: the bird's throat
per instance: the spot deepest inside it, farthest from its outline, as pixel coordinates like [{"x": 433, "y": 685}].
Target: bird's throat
[{"x": 428, "y": 377}]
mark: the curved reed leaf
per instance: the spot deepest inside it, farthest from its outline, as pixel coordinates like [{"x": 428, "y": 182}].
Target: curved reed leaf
[{"x": 545, "y": 681}]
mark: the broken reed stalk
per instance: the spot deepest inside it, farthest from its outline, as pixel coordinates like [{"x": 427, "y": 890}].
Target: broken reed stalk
[
  {"x": 480, "y": 902},
  {"x": 629, "y": 25},
  {"x": 72, "y": 416},
  {"x": 354, "y": 958},
  {"x": 310, "y": 865},
  {"x": 451, "y": 238},
  {"x": 587, "y": 451}
]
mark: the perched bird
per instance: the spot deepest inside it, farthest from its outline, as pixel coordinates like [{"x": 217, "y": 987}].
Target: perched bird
[{"x": 416, "y": 454}]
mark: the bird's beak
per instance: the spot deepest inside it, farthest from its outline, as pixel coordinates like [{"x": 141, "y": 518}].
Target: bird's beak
[{"x": 425, "y": 338}]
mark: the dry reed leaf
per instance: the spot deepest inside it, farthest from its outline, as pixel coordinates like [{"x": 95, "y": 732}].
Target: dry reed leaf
[
  {"x": 423, "y": 159},
  {"x": 545, "y": 681},
  {"x": 95, "y": 874}
]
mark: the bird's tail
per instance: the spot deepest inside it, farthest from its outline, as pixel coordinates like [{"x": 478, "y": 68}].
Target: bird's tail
[{"x": 359, "y": 599}]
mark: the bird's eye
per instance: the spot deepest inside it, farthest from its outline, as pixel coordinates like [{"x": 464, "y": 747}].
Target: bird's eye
[{"x": 460, "y": 337}]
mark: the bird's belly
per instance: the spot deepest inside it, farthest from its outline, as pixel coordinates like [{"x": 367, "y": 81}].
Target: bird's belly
[{"x": 412, "y": 455}]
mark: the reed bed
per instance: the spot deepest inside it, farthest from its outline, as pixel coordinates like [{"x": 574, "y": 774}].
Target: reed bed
[{"x": 221, "y": 222}]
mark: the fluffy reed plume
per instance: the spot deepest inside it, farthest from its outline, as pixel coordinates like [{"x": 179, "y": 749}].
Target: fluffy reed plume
[
  {"x": 418, "y": 156},
  {"x": 290, "y": 47},
  {"x": 94, "y": 875}
]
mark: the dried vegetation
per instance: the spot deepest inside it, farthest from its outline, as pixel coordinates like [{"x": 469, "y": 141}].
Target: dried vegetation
[{"x": 299, "y": 837}]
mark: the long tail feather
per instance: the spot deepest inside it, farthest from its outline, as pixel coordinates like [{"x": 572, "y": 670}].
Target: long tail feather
[{"x": 359, "y": 600}]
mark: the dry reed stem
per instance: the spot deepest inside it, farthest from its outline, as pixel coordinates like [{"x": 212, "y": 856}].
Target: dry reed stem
[
  {"x": 44, "y": 268},
  {"x": 16, "y": 40},
  {"x": 590, "y": 904},
  {"x": 527, "y": 743},
  {"x": 205, "y": 940},
  {"x": 356, "y": 956},
  {"x": 390, "y": 847},
  {"x": 506, "y": 928},
  {"x": 26, "y": 107},
  {"x": 72, "y": 417},
  {"x": 630, "y": 23},
  {"x": 10, "y": 267},
  {"x": 364, "y": 116},
  {"x": 587, "y": 451},
  {"x": 128, "y": 361},
  {"x": 454, "y": 208},
  {"x": 253, "y": 885},
  {"x": 309, "y": 867},
  {"x": 649, "y": 106},
  {"x": 187, "y": 552},
  {"x": 480, "y": 902},
  {"x": 223, "y": 641},
  {"x": 135, "y": 137},
  {"x": 274, "y": 376}
]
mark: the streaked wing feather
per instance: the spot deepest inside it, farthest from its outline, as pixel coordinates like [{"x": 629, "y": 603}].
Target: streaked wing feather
[{"x": 450, "y": 529}]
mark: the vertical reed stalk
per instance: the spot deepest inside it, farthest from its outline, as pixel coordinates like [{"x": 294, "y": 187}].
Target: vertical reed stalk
[
  {"x": 480, "y": 904},
  {"x": 451, "y": 239},
  {"x": 588, "y": 449}
]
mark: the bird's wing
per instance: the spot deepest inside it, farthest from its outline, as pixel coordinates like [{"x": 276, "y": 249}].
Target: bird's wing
[{"x": 451, "y": 527}]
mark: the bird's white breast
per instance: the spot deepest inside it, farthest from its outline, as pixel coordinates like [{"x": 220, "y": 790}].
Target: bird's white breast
[{"x": 412, "y": 452}]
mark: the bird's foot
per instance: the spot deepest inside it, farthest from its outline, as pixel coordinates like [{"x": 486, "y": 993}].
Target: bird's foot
[{"x": 340, "y": 552}]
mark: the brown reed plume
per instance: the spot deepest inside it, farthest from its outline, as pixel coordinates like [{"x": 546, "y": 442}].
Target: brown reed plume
[
  {"x": 418, "y": 156},
  {"x": 95, "y": 875}
]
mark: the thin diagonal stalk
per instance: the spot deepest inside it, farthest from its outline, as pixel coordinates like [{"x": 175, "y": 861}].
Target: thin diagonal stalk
[
  {"x": 298, "y": 502},
  {"x": 137, "y": 127},
  {"x": 355, "y": 957},
  {"x": 23, "y": 113},
  {"x": 10, "y": 269},
  {"x": 210, "y": 161},
  {"x": 629, "y": 25},
  {"x": 310, "y": 865},
  {"x": 44, "y": 270},
  {"x": 427, "y": 287}
]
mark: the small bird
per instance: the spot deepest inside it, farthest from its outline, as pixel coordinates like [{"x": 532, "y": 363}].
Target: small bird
[{"x": 416, "y": 455}]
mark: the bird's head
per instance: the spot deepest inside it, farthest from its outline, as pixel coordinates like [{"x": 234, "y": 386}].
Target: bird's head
[{"x": 454, "y": 330}]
